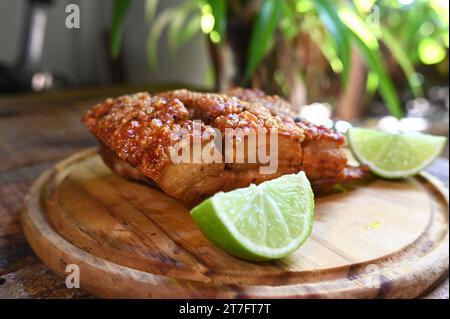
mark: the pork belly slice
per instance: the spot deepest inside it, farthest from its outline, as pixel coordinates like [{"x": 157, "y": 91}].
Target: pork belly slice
[
  {"x": 190, "y": 183},
  {"x": 323, "y": 157},
  {"x": 136, "y": 133}
]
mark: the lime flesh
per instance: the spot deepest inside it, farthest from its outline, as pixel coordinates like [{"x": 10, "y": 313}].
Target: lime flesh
[
  {"x": 263, "y": 222},
  {"x": 394, "y": 155}
]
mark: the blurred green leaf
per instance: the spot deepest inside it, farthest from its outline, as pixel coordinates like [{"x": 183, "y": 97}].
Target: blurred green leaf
[
  {"x": 361, "y": 34},
  {"x": 354, "y": 22},
  {"x": 120, "y": 10},
  {"x": 156, "y": 30},
  {"x": 372, "y": 83},
  {"x": 439, "y": 16},
  {"x": 386, "y": 87},
  {"x": 190, "y": 29},
  {"x": 409, "y": 22},
  {"x": 182, "y": 22},
  {"x": 441, "y": 11},
  {"x": 375, "y": 62},
  {"x": 328, "y": 13},
  {"x": 177, "y": 23},
  {"x": 325, "y": 44},
  {"x": 313, "y": 26},
  {"x": 219, "y": 11},
  {"x": 150, "y": 9},
  {"x": 263, "y": 30},
  {"x": 175, "y": 26},
  {"x": 402, "y": 59},
  {"x": 363, "y": 6},
  {"x": 304, "y": 6}
]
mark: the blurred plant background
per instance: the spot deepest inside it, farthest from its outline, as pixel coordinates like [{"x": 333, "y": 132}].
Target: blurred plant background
[
  {"x": 376, "y": 63},
  {"x": 359, "y": 56}
]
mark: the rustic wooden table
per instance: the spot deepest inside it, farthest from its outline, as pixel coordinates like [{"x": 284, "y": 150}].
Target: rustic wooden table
[{"x": 36, "y": 131}]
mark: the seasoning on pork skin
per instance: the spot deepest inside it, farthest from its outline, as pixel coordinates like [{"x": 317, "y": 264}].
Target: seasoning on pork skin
[{"x": 136, "y": 134}]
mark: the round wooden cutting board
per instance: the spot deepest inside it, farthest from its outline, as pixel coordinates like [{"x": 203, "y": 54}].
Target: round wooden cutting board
[{"x": 384, "y": 239}]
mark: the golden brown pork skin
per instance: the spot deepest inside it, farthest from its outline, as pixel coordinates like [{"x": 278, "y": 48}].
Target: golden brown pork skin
[{"x": 136, "y": 133}]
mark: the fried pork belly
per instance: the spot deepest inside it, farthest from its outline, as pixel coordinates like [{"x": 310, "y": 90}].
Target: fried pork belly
[
  {"x": 137, "y": 134},
  {"x": 323, "y": 158}
]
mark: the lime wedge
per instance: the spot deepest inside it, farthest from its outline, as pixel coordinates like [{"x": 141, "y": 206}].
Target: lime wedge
[
  {"x": 263, "y": 222},
  {"x": 394, "y": 155}
]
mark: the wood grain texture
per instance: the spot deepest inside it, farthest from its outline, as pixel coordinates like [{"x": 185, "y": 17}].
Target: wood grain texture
[{"x": 386, "y": 239}]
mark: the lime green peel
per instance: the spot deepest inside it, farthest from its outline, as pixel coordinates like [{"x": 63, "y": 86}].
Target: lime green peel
[
  {"x": 263, "y": 222},
  {"x": 394, "y": 155}
]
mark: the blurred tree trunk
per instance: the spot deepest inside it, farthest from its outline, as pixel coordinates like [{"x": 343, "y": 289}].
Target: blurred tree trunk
[{"x": 351, "y": 100}]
